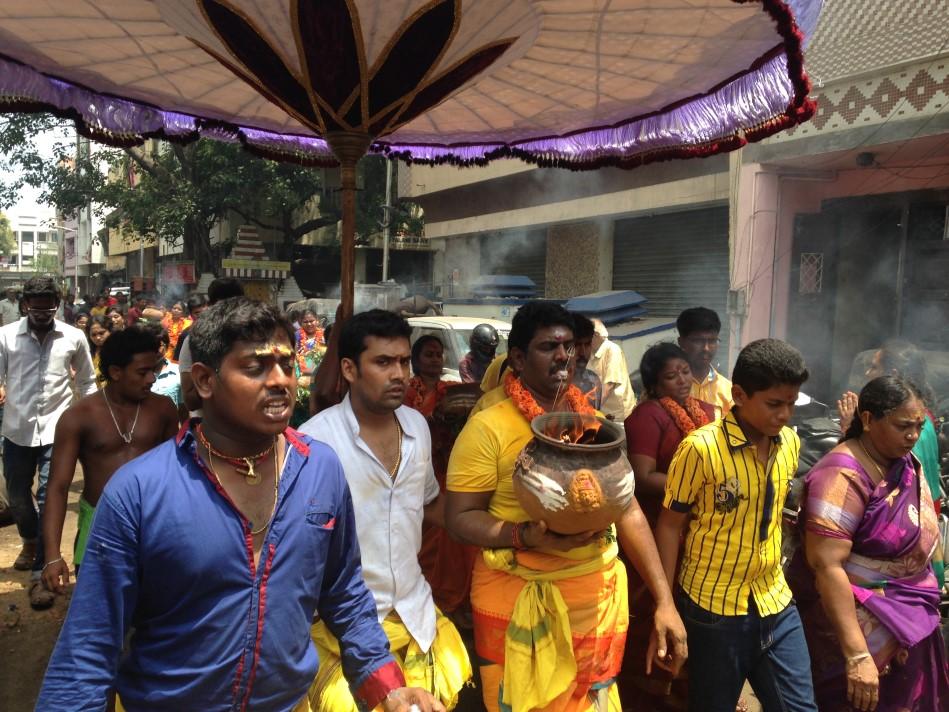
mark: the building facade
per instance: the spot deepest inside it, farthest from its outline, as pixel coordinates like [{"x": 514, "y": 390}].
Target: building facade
[{"x": 832, "y": 235}]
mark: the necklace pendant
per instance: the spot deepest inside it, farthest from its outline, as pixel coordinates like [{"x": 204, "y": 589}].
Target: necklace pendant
[{"x": 251, "y": 476}]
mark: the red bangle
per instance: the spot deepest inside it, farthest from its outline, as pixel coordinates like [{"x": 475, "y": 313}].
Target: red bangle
[{"x": 517, "y": 540}]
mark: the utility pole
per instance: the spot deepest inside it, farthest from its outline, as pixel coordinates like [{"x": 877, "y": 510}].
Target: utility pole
[{"x": 387, "y": 221}]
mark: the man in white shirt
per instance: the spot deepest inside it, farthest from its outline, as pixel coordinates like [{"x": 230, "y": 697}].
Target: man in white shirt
[
  {"x": 9, "y": 308},
  {"x": 385, "y": 449},
  {"x": 609, "y": 363},
  {"x": 38, "y": 354}
]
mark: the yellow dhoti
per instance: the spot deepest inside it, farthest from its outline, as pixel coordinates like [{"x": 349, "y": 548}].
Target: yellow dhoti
[
  {"x": 443, "y": 670},
  {"x": 552, "y": 628}
]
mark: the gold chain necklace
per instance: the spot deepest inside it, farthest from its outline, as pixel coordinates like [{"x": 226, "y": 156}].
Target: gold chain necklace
[
  {"x": 398, "y": 463},
  {"x": 276, "y": 488},
  {"x": 871, "y": 459},
  {"x": 243, "y": 465}
]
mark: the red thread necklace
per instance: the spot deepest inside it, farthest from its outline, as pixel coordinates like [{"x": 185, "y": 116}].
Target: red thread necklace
[{"x": 243, "y": 465}]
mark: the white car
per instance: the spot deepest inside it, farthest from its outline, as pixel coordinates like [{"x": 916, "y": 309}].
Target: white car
[{"x": 454, "y": 332}]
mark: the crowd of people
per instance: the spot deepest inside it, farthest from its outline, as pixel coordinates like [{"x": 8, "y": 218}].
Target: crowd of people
[{"x": 376, "y": 553}]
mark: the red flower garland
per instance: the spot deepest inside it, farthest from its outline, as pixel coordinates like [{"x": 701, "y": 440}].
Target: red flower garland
[
  {"x": 686, "y": 419},
  {"x": 303, "y": 350},
  {"x": 528, "y": 406}
]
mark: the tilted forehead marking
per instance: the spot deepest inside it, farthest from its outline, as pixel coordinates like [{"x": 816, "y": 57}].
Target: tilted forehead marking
[{"x": 273, "y": 349}]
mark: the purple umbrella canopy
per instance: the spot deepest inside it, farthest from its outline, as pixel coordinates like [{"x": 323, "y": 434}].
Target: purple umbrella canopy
[
  {"x": 578, "y": 84},
  {"x": 572, "y": 83}
]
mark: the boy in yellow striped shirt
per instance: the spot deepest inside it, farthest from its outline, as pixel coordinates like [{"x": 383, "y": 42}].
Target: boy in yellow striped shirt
[{"x": 728, "y": 482}]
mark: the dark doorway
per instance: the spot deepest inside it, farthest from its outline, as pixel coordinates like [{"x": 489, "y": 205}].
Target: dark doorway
[{"x": 813, "y": 297}]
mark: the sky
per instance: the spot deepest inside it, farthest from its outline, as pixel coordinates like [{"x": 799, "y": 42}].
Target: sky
[{"x": 28, "y": 204}]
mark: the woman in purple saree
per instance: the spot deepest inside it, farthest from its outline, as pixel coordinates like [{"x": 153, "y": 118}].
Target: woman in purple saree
[{"x": 862, "y": 579}]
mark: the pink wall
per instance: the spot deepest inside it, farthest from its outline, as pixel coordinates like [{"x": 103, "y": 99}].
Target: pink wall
[{"x": 768, "y": 199}]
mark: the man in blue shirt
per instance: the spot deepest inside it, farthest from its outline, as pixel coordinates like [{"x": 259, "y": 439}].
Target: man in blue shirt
[{"x": 220, "y": 547}]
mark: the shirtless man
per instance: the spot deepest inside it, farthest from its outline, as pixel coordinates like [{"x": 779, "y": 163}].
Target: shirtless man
[{"x": 103, "y": 431}]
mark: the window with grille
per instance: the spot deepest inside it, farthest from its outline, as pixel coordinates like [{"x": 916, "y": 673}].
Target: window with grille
[{"x": 811, "y": 274}]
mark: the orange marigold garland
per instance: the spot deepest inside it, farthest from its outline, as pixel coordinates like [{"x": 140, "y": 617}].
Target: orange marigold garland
[
  {"x": 422, "y": 392},
  {"x": 686, "y": 419},
  {"x": 529, "y": 408}
]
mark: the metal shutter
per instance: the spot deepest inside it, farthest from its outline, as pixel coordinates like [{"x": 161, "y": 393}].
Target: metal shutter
[
  {"x": 521, "y": 252},
  {"x": 676, "y": 260}
]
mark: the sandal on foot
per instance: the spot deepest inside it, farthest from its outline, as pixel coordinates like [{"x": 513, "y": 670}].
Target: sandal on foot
[{"x": 24, "y": 560}]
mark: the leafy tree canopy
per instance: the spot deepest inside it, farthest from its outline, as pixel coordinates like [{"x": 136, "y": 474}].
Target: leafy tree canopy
[
  {"x": 177, "y": 192},
  {"x": 7, "y": 237}
]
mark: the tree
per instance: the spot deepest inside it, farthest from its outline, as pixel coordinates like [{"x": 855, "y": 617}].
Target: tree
[
  {"x": 8, "y": 244},
  {"x": 176, "y": 192}
]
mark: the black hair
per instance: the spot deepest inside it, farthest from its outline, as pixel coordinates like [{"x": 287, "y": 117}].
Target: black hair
[
  {"x": 419, "y": 345},
  {"x": 583, "y": 326},
  {"x": 41, "y": 287},
  {"x": 122, "y": 346},
  {"x": 375, "y": 322},
  {"x": 698, "y": 319},
  {"x": 139, "y": 296},
  {"x": 161, "y": 333},
  {"x": 533, "y": 316},
  {"x": 766, "y": 363},
  {"x": 880, "y": 397},
  {"x": 654, "y": 360},
  {"x": 196, "y": 301},
  {"x": 103, "y": 321},
  {"x": 236, "y": 319},
  {"x": 224, "y": 288},
  {"x": 902, "y": 358}
]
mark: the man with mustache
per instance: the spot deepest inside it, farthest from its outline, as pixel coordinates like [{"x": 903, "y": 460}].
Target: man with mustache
[
  {"x": 385, "y": 449},
  {"x": 584, "y": 378},
  {"x": 41, "y": 358},
  {"x": 550, "y": 610},
  {"x": 221, "y": 546},
  {"x": 103, "y": 431}
]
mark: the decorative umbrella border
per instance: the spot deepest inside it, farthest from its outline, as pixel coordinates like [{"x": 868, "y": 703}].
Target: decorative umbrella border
[{"x": 768, "y": 97}]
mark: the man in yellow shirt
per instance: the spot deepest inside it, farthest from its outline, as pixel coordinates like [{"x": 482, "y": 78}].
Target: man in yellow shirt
[
  {"x": 699, "y": 330},
  {"x": 727, "y": 482},
  {"x": 550, "y": 611}
]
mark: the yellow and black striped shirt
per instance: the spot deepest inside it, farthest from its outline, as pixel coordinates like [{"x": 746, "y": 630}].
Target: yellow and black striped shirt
[{"x": 733, "y": 546}]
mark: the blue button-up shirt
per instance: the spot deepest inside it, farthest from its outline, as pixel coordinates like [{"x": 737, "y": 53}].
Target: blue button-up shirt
[{"x": 171, "y": 557}]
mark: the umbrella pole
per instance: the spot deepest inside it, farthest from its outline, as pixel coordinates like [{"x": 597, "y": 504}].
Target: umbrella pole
[{"x": 349, "y": 147}]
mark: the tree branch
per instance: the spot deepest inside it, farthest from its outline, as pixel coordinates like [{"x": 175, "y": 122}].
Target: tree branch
[
  {"x": 314, "y": 224},
  {"x": 145, "y": 163}
]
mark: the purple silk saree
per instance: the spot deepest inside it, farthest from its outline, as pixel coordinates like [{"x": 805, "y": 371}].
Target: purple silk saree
[{"x": 893, "y": 530}]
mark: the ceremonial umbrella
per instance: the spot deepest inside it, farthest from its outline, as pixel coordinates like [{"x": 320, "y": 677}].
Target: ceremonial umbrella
[{"x": 572, "y": 83}]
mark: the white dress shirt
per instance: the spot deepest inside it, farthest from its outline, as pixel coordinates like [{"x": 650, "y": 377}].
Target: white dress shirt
[
  {"x": 37, "y": 379},
  {"x": 9, "y": 311},
  {"x": 388, "y": 512},
  {"x": 609, "y": 363}
]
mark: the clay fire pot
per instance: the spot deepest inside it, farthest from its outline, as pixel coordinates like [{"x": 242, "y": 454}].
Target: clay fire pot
[{"x": 574, "y": 487}]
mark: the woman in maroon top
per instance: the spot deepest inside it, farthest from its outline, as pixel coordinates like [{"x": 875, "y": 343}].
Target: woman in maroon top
[
  {"x": 653, "y": 432},
  {"x": 660, "y": 421}
]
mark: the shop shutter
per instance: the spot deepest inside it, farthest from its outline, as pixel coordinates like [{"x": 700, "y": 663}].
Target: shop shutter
[{"x": 676, "y": 260}]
